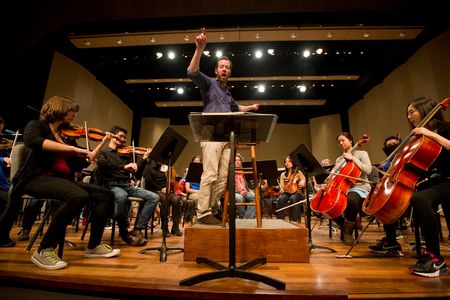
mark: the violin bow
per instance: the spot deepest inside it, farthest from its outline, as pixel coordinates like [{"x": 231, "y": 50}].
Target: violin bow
[
  {"x": 134, "y": 151},
  {"x": 87, "y": 137}
]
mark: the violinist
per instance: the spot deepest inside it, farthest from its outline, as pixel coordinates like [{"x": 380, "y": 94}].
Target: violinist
[
  {"x": 48, "y": 173},
  {"x": 115, "y": 170},
  {"x": 269, "y": 197},
  {"x": 358, "y": 191},
  {"x": 155, "y": 175},
  {"x": 292, "y": 181},
  {"x": 433, "y": 191}
]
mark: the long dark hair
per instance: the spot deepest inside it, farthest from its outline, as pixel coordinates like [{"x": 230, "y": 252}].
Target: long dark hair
[{"x": 424, "y": 106}]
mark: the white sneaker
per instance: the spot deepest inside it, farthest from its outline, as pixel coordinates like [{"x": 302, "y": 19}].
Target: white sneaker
[
  {"x": 102, "y": 250},
  {"x": 48, "y": 260}
]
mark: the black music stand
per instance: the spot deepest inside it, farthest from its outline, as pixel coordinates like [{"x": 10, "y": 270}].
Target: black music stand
[
  {"x": 194, "y": 173},
  {"x": 166, "y": 151},
  {"x": 232, "y": 127},
  {"x": 309, "y": 166}
]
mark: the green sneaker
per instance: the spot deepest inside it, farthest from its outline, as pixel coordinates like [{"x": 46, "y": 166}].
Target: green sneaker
[
  {"x": 48, "y": 260},
  {"x": 102, "y": 250}
]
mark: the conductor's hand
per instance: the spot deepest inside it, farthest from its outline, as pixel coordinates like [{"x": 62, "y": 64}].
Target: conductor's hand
[{"x": 200, "y": 40}]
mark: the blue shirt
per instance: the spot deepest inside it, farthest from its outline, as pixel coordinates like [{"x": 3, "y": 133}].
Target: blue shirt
[{"x": 215, "y": 97}]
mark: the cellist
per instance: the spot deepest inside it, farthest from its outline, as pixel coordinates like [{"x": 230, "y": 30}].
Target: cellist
[
  {"x": 292, "y": 181},
  {"x": 434, "y": 191},
  {"x": 358, "y": 192}
]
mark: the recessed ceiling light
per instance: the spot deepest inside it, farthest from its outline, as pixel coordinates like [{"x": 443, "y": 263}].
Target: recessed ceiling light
[
  {"x": 271, "y": 51},
  {"x": 186, "y": 38},
  {"x": 87, "y": 43},
  {"x": 366, "y": 34},
  {"x": 402, "y": 34},
  {"x": 221, "y": 37},
  {"x": 257, "y": 36},
  {"x": 119, "y": 41},
  {"x": 329, "y": 35},
  {"x": 152, "y": 40},
  {"x": 293, "y": 35}
]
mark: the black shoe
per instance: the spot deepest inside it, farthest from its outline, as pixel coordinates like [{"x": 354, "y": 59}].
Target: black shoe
[
  {"x": 383, "y": 247},
  {"x": 176, "y": 231},
  {"x": 167, "y": 232},
  {"x": 429, "y": 266},
  {"x": 208, "y": 220},
  {"x": 23, "y": 235}
]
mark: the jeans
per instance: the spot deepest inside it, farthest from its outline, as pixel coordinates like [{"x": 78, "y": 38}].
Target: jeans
[
  {"x": 246, "y": 212},
  {"x": 121, "y": 194}
]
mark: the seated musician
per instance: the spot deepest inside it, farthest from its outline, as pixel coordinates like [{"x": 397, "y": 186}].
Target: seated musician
[
  {"x": 193, "y": 188},
  {"x": 269, "y": 197},
  {"x": 433, "y": 191},
  {"x": 155, "y": 175},
  {"x": 358, "y": 191},
  {"x": 48, "y": 173},
  {"x": 5, "y": 162},
  {"x": 388, "y": 245},
  {"x": 115, "y": 170},
  {"x": 326, "y": 162},
  {"x": 243, "y": 192},
  {"x": 292, "y": 181}
]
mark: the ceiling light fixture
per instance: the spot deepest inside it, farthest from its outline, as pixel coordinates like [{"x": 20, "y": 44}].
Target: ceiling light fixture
[
  {"x": 258, "y": 54},
  {"x": 306, "y": 53},
  {"x": 206, "y": 52},
  {"x": 366, "y": 34},
  {"x": 180, "y": 91},
  {"x": 319, "y": 51},
  {"x": 293, "y": 35},
  {"x": 302, "y": 88},
  {"x": 219, "y": 53},
  {"x": 159, "y": 55},
  {"x": 221, "y": 37},
  {"x": 87, "y": 43},
  {"x": 171, "y": 55},
  {"x": 152, "y": 40},
  {"x": 119, "y": 41},
  {"x": 186, "y": 38},
  {"x": 261, "y": 88},
  {"x": 271, "y": 51},
  {"x": 329, "y": 35},
  {"x": 257, "y": 36},
  {"x": 402, "y": 34}
]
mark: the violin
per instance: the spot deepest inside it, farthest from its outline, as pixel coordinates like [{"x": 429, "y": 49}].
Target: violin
[
  {"x": 413, "y": 157},
  {"x": 332, "y": 200},
  {"x": 73, "y": 131},
  {"x": 5, "y": 143},
  {"x": 291, "y": 186},
  {"x": 126, "y": 150}
]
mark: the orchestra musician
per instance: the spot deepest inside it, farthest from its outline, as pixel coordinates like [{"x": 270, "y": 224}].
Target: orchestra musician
[
  {"x": 155, "y": 176},
  {"x": 433, "y": 191},
  {"x": 47, "y": 172},
  {"x": 292, "y": 181},
  {"x": 115, "y": 170},
  {"x": 243, "y": 192},
  {"x": 388, "y": 245},
  {"x": 5, "y": 162},
  {"x": 358, "y": 191},
  {"x": 216, "y": 97}
]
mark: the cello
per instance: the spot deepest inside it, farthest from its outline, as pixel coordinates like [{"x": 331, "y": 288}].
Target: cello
[
  {"x": 332, "y": 200},
  {"x": 410, "y": 160}
]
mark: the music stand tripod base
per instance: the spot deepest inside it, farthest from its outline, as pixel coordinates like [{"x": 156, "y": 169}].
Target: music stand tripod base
[{"x": 239, "y": 272}]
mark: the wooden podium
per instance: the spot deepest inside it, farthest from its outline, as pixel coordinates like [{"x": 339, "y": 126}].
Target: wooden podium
[{"x": 232, "y": 127}]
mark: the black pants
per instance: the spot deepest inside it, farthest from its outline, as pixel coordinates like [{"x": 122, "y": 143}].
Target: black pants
[
  {"x": 354, "y": 204},
  {"x": 174, "y": 202},
  {"x": 74, "y": 195},
  {"x": 424, "y": 203}
]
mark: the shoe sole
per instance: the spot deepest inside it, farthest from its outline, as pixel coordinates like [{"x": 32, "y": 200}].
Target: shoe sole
[
  {"x": 113, "y": 253},
  {"x": 46, "y": 267},
  {"x": 438, "y": 273}
]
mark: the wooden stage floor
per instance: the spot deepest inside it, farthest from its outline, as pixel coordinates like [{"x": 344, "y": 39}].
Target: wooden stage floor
[{"x": 365, "y": 275}]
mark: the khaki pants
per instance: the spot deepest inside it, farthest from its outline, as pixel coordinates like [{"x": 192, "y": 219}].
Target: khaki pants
[{"x": 216, "y": 157}]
